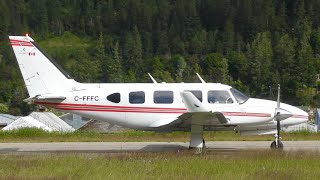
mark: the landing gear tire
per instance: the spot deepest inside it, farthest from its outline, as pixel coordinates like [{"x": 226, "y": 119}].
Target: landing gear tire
[
  {"x": 197, "y": 150},
  {"x": 203, "y": 144},
  {"x": 274, "y": 145}
]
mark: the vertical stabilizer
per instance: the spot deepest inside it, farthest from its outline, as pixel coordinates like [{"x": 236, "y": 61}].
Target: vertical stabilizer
[{"x": 41, "y": 75}]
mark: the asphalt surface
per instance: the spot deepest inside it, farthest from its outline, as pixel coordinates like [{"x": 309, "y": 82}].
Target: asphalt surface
[{"x": 120, "y": 147}]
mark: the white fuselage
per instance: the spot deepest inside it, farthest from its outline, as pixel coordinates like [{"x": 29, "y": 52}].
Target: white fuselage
[{"x": 91, "y": 100}]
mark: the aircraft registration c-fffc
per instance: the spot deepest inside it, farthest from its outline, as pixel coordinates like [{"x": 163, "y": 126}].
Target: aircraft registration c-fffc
[{"x": 166, "y": 107}]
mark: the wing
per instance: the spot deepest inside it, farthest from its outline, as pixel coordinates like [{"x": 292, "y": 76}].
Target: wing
[{"x": 197, "y": 114}]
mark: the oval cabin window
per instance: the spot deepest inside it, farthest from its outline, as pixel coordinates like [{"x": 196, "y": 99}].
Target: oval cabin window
[{"x": 115, "y": 97}]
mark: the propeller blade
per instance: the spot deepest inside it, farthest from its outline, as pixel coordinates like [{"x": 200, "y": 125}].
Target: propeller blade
[
  {"x": 278, "y": 115},
  {"x": 278, "y": 98}
]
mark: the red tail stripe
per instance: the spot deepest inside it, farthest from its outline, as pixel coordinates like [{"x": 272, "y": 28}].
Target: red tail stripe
[
  {"x": 14, "y": 40},
  {"x": 22, "y": 44}
]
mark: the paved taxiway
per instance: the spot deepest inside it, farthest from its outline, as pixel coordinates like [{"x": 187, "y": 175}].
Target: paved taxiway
[{"x": 114, "y": 147}]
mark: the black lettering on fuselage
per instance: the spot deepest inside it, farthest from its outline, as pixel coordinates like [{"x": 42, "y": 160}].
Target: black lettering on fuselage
[{"x": 86, "y": 98}]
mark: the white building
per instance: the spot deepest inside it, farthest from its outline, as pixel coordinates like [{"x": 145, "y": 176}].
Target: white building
[{"x": 43, "y": 120}]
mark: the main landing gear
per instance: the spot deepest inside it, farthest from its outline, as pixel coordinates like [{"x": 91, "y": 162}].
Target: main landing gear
[
  {"x": 196, "y": 140},
  {"x": 199, "y": 150}
]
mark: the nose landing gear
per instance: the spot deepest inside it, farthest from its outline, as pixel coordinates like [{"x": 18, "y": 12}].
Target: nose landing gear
[{"x": 276, "y": 144}]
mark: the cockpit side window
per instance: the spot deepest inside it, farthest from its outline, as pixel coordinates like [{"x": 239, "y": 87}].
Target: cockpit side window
[
  {"x": 239, "y": 96},
  {"x": 219, "y": 97}
]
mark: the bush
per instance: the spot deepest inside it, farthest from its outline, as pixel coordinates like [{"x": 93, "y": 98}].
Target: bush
[{"x": 4, "y": 109}]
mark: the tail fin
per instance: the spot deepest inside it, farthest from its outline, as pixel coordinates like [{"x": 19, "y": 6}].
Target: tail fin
[{"x": 41, "y": 75}]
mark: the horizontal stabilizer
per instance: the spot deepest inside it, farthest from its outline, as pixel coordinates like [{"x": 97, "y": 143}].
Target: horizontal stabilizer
[{"x": 44, "y": 98}]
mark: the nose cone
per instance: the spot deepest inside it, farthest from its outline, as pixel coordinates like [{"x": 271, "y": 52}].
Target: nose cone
[
  {"x": 293, "y": 115},
  {"x": 298, "y": 116}
]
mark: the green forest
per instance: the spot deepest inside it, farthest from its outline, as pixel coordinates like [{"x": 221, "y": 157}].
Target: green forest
[{"x": 252, "y": 45}]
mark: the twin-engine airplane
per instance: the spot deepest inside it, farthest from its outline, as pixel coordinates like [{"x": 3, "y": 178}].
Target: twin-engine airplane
[{"x": 166, "y": 107}]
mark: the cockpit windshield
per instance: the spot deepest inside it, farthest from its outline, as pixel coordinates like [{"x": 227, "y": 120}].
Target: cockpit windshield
[{"x": 239, "y": 96}]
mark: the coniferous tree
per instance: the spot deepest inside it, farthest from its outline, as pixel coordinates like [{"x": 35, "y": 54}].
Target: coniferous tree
[
  {"x": 261, "y": 42},
  {"x": 260, "y": 57},
  {"x": 115, "y": 65},
  {"x": 285, "y": 65},
  {"x": 305, "y": 59},
  {"x": 215, "y": 67}
]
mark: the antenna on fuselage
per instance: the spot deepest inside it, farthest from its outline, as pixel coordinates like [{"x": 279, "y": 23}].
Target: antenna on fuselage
[
  {"x": 153, "y": 80},
  {"x": 202, "y": 81}
]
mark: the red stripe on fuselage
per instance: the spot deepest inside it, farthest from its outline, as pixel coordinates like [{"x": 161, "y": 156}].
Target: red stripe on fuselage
[
  {"x": 120, "y": 110},
  {"x": 246, "y": 114},
  {"x": 300, "y": 116},
  {"x": 134, "y": 109},
  {"x": 104, "y": 106}
]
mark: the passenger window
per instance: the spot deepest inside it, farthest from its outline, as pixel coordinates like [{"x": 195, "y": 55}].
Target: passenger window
[
  {"x": 137, "y": 97},
  {"x": 115, "y": 97},
  {"x": 197, "y": 94},
  {"x": 163, "y": 97},
  {"x": 219, "y": 97}
]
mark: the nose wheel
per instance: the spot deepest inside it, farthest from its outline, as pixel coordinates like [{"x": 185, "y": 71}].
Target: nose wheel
[{"x": 276, "y": 144}]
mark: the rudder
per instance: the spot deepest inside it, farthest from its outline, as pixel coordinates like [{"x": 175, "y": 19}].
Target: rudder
[{"x": 41, "y": 75}]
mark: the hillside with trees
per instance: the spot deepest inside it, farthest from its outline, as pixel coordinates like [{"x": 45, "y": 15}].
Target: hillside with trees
[{"x": 250, "y": 44}]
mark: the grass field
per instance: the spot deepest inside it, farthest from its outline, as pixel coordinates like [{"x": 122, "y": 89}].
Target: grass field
[
  {"x": 166, "y": 165},
  {"x": 250, "y": 164},
  {"x": 36, "y": 135}
]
